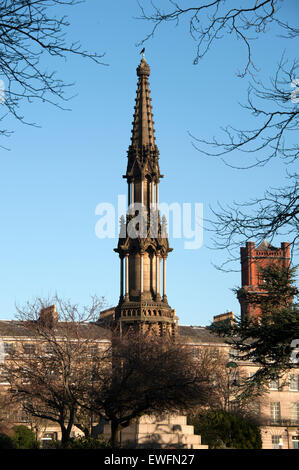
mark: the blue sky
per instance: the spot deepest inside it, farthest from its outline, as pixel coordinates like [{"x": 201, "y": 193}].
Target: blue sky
[{"x": 54, "y": 176}]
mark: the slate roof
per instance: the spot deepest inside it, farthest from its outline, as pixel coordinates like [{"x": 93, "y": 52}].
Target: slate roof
[
  {"x": 190, "y": 334},
  {"x": 199, "y": 334},
  {"x": 15, "y": 328}
]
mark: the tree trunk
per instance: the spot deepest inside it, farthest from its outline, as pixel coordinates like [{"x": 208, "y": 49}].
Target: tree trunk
[
  {"x": 66, "y": 431},
  {"x": 115, "y": 434},
  {"x": 65, "y": 435}
]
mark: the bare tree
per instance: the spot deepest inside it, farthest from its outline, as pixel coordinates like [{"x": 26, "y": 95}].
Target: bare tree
[
  {"x": 150, "y": 376},
  {"x": 31, "y": 30},
  {"x": 50, "y": 370},
  {"x": 274, "y": 106},
  {"x": 226, "y": 381},
  {"x": 222, "y": 379}
]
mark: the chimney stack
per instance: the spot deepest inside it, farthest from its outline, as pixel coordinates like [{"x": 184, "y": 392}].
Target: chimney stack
[
  {"x": 224, "y": 317},
  {"x": 48, "y": 316}
]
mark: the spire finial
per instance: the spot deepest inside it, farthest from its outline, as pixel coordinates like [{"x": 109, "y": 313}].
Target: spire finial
[
  {"x": 143, "y": 68},
  {"x": 143, "y": 125}
]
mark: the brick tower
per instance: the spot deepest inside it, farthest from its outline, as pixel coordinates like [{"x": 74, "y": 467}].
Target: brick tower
[
  {"x": 143, "y": 242},
  {"x": 251, "y": 260}
]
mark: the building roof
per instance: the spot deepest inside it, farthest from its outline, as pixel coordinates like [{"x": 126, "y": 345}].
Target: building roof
[
  {"x": 17, "y": 329},
  {"x": 199, "y": 334},
  {"x": 265, "y": 245},
  {"x": 190, "y": 334}
]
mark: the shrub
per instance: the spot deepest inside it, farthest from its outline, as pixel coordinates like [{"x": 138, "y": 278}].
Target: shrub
[
  {"x": 221, "y": 429},
  {"x": 6, "y": 442},
  {"x": 24, "y": 438},
  {"x": 82, "y": 442}
]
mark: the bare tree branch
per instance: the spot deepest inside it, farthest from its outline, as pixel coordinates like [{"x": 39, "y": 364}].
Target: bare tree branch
[
  {"x": 275, "y": 214},
  {"x": 277, "y": 117},
  {"x": 29, "y": 32},
  {"x": 211, "y": 20}
]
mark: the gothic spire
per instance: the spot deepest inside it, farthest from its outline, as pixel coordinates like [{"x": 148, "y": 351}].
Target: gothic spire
[
  {"x": 143, "y": 124},
  {"x": 143, "y": 153}
]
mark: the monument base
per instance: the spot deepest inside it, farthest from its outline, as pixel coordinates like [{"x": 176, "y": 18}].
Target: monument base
[{"x": 167, "y": 432}]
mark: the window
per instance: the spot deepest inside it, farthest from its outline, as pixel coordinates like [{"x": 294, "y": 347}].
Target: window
[
  {"x": 255, "y": 409},
  {"x": 260, "y": 280},
  {"x": 52, "y": 374},
  {"x": 47, "y": 438},
  {"x": 277, "y": 442},
  {"x": 9, "y": 348},
  {"x": 5, "y": 416},
  {"x": 49, "y": 349},
  {"x": 274, "y": 384},
  {"x": 3, "y": 377},
  {"x": 215, "y": 353},
  {"x": 234, "y": 378},
  {"x": 93, "y": 350},
  {"x": 295, "y": 351},
  {"x": 24, "y": 417},
  {"x": 275, "y": 411},
  {"x": 29, "y": 348},
  {"x": 294, "y": 383},
  {"x": 295, "y": 442},
  {"x": 195, "y": 353},
  {"x": 295, "y": 412},
  {"x": 21, "y": 416},
  {"x": 234, "y": 406},
  {"x": 233, "y": 354}
]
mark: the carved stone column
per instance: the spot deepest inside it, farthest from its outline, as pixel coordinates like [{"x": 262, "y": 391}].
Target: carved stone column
[
  {"x": 141, "y": 274},
  {"x": 127, "y": 276},
  {"x": 141, "y": 192},
  {"x": 164, "y": 278},
  {"x": 132, "y": 192},
  {"x": 153, "y": 194},
  {"x": 121, "y": 277},
  {"x": 158, "y": 280}
]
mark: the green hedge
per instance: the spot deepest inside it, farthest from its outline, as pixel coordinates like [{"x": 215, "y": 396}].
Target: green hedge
[{"x": 221, "y": 429}]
